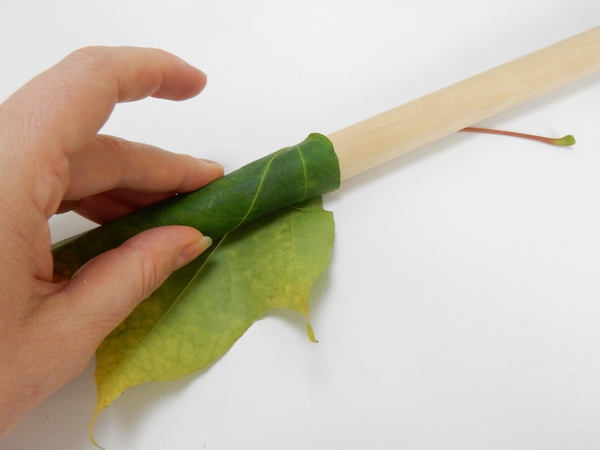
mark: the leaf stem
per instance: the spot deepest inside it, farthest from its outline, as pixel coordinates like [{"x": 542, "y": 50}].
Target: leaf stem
[{"x": 564, "y": 141}]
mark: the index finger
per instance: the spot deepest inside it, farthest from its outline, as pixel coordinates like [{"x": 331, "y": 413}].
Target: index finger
[
  {"x": 58, "y": 112},
  {"x": 63, "y": 108}
]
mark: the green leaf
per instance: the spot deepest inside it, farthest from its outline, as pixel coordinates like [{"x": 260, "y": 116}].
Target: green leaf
[
  {"x": 203, "y": 308},
  {"x": 284, "y": 178},
  {"x": 263, "y": 257}
]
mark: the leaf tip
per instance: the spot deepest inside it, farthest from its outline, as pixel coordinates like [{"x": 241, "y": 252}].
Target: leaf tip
[
  {"x": 94, "y": 443},
  {"x": 310, "y": 332},
  {"x": 91, "y": 431}
]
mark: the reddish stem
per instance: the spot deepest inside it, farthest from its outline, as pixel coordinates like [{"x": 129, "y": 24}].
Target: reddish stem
[{"x": 564, "y": 141}]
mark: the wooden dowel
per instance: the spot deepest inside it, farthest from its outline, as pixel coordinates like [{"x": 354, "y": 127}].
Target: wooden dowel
[{"x": 400, "y": 130}]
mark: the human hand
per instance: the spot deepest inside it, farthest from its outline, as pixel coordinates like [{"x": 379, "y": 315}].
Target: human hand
[{"x": 51, "y": 160}]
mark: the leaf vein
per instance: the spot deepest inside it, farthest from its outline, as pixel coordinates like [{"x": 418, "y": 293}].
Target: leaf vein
[
  {"x": 178, "y": 298},
  {"x": 260, "y": 184},
  {"x": 304, "y": 171}
]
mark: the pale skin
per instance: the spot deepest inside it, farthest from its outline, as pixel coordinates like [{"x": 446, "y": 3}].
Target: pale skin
[{"x": 52, "y": 160}]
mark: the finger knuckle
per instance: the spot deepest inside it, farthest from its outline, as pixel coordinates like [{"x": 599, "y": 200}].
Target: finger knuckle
[
  {"x": 93, "y": 58},
  {"x": 153, "y": 269}
]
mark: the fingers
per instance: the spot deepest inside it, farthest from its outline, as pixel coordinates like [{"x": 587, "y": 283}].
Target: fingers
[
  {"x": 107, "y": 163},
  {"x": 64, "y": 107},
  {"x": 59, "y": 112},
  {"x": 113, "y": 177},
  {"x": 102, "y": 208},
  {"x": 104, "y": 291},
  {"x": 111, "y": 205}
]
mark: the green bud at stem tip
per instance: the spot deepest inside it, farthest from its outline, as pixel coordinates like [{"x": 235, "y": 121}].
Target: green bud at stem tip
[{"x": 565, "y": 141}]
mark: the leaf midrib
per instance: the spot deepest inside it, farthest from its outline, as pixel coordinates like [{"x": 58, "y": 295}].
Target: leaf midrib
[{"x": 182, "y": 292}]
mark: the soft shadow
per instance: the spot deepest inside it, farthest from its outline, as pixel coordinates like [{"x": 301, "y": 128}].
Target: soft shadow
[
  {"x": 132, "y": 408},
  {"x": 318, "y": 294},
  {"x": 61, "y": 421},
  {"x": 396, "y": 166}
]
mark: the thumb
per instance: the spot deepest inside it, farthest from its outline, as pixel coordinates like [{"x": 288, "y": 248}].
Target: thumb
[{"x": 105, "y": 290}]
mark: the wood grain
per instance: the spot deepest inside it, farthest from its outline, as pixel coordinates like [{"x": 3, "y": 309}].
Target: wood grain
[{"x": 400, "y": 130}]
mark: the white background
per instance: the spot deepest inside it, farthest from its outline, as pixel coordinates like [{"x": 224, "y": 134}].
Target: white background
[{"x": 462, "y": 307}]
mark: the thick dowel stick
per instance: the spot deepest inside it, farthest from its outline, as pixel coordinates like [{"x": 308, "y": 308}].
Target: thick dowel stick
[{"x": 417, "y": 123}]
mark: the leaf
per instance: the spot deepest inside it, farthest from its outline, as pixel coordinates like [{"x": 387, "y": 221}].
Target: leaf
[
  {"x": 284, "y": 178},
  {"x": 203, "y": 308},
  {"x": 253, "y": 268}
]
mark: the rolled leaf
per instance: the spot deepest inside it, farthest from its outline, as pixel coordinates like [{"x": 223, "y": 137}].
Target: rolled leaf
[{"x": 288, "y": 176}]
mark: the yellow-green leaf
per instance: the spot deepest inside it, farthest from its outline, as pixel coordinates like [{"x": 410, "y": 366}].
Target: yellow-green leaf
[{"x": 203, "y": 308}]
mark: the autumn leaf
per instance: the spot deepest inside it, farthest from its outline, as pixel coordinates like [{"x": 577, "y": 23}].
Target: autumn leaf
[
  {"x": 286, "y": 177},
  {"x": 266, "y": 254},
  {"x": 203, "y": 308}
]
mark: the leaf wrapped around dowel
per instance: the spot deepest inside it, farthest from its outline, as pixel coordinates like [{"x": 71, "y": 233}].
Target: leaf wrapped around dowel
[
  {"x": 272, "y": 239},
  {"x": 288, "y": 176}
]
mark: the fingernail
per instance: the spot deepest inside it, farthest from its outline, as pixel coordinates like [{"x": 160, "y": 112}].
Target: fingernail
[
  {"x": 210, "y": 161},
  {"x": 192, "y": 251}
]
